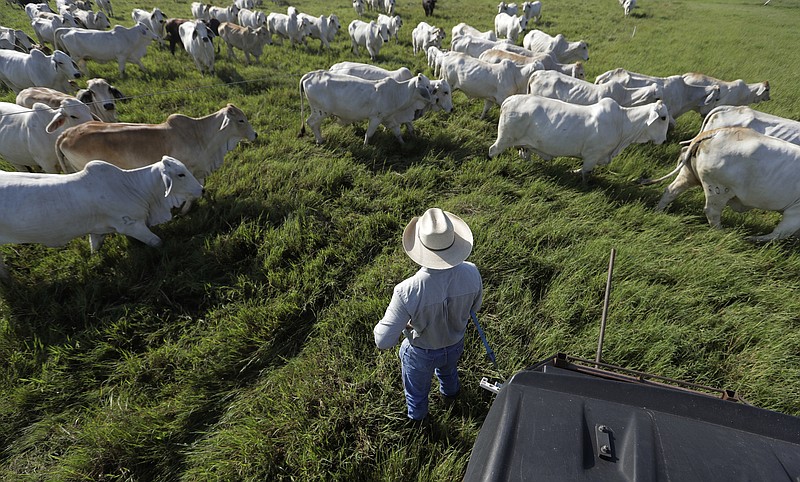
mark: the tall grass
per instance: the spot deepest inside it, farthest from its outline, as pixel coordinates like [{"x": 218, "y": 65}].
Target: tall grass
[{"x": 243, "y": 350}]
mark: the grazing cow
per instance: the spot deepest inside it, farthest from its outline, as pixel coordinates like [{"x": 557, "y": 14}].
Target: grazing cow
[
  {"x": 548, "y": 61},
  {"x": 351, "y": 99},
  {"x": 11, "y": 39},
  {"x": 173, "y": 35},
  {"x": 557, "y": 85},
  {"x": 202, "y": 142},
  {"x": 196, "y": 39},
  {"x": 252, "y": 18},
  {"x": 369, "y": 35},
  {"x": 761, "y": 122},
  {"x": 595, "y": 133},
  {"x": 99, "y": 95},
  {"x": 105, "y": 6},
  {"x": 532, "y": 11},
  {"x": 392, "y": 23},
  {"x": 744, "y": 169},
  {"x": 735, "y": 92},
  {"x": 424, "y": 35},
  {"x": 322, "y": 28},
  {"x": 371, "y": 72},
  {"x": 482, "y": 80},
  {"x": 19, "y": 70},
  {"x": 224, "y": 14},
  {"x": 475, "y": 46},
  {"x": 200, "y": 11},
  {"x": 154, "y": 20},
  {"x": 678, "y": 96},
  {"x": 246, "y": 39},
  {"x": 29, "y": 134},
  {"x": 358, "y": 5},
  {"x": 464, "y": 29},
  {"x": 509, "y": 26},
  {"x": 120, "y": 43},
  {"x": 428, "y": 6},
  {"x": 288, "y": 26},
  {"x": 565, "y": 51},
  {"x": 102, "y": 199}
]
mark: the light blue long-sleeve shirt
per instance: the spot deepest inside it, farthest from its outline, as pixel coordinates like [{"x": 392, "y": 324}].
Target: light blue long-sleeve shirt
[{"x": 437, "y": 303}]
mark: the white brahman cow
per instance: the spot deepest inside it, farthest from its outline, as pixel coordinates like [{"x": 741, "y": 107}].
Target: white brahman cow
[
  {"x": 200, "y": 11},
  {"x": 123, "y": 44},
  {"x": 548, "y": 61},
  {"x": 251, "y": 18},
  {"x": 761, "y": 122},
  {"x": 465, "y": 29},
  {"x": 532, "y": 11},
  {"x": 99, "y": 95},
  {"x": 371, "y": 72},
  {"x": 678, "y": 96},
  {"x": 424, "y": 35},
  {"x": 564, "y": 50},
  {"x": 105, "y": 6},
  {"x": 44, "y": 28},
  {"x": 225, "y": 14},
  {"x": 93, "y": 20},
  {"x": 557, "y": 85},
  {"x": 248, "y": 40},
  {"x": 483, "y": 80},
  {"x": 19, "y": 70},
  {"x": 475, "y": 46},
  {"x": 15, "y": 39},
  {"x": 288, "y": 26},
  {"x": 393, "y": 24},
  {"x": 352, "y": 99},
  {"x": 154, "y": 20},
  {"x": 323, "y": 28},
  {"x": 358, "y": 6},
  {"x": 743, "y": 169},
  {"x": 29, "y": 134},
  {"x": 201, "y": 142},
  {"x": 509, "y": 8},
  {"x": 53, "y": 209},
  {"x": 509, "y": 26},
  {"x": 735, "y": 92},
  {"x": 595, "y": 133},
  {"x": 368, "y": 35},
  {"x": 628, "y": 6},
  {"x": 196, "y": 39}
]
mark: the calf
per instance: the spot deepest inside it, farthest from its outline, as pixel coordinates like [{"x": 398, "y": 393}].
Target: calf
[{"x": 246, "y": 39}]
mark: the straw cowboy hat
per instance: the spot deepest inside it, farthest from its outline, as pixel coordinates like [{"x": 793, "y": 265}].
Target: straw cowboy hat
[{"x": 437, "y": 240}]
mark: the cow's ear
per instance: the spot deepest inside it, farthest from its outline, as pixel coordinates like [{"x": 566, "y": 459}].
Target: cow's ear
[
  {"x": 57, "y": 122},
  {"x": 166, "y": 178},
  {"x": 653, "y": 116},
  {"x": 424, "y": 93},
  {"x": 194, "y": 34},
  {"x": 225, "y": 121},
  {"x": 116, "y": 93},
  {"x": 84, "y": 95}
]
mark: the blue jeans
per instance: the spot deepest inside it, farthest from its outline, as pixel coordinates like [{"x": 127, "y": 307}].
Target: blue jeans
[{"x": 418, "y": 367}]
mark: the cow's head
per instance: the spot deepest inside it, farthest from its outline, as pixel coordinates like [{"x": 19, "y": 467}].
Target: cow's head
[
  {"x": 235, "y": 120},
  {"x": 657, "y": 123},
  {"x": 762, "y": 91},
  {"x": 71, "y": 113},
  {"x": 64, "y": 64},
  {"x": 180, "y": 186}
]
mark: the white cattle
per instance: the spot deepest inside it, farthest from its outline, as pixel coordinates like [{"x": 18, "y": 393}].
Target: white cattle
[
  {"x": 322, "y": 28},
  {"x": 123, "y": 44},
  {"x": 29, "y": 134},
  {"x": 288, "y": 26},
  {"x": 509, "y": 8},
  {"x": 548, "y": 61},
  {"x": 15, "y": 39},
  {"x": 351, "y": 99},
  {"x": 557, "y": 85},
  {"x": 761, "y": 122},
  {"x": 744, "y": 169},
  {"x": 224, "y": 14},
  {"x": 44, "y": 28},
  {"x": 34, "y": 9},
  {"x": 393, "y": 24},
  {"x": 358, "y": 5},
  {"x": 196, "y": 39},
  {"x": 370, "y": 72},
  {"x": 595, "y": 133},
  {"x": 200, "y": 11},
  {"x": 678, "y": 96},
  {"x": 20, "y": 70},
  {"x": 735, "y": 92},
  {"x": 99, "y": 95},
  {"x": 532, "y": 11},
  {"x": 483, "y": 80},
  {"x": 242, "y": 4},
  {"x": 509, "y": 26},
  {"x": 434, "y": 59},
  {"x": 251, "y": 18},
  {"x": 565, "y": 51},
  {"x": 628, "y": 6},
  {"x": 102, "y": 199},
  {"x": 424, "y": 35},
  {"x": 93, "y": 20},
  {"x": 475, "y": 46},
  {"x": 105, "y": 6},
  {"x": 201, "y": 142},
  {"x": 154, "y": 20},
  {"x": 464, "y": 29},
  {"x": 368, "y": 35},
  {"x": 246, "y": 39}
]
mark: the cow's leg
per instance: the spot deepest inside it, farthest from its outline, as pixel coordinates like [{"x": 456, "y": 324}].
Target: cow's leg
[
  {"x": 96, "y": 242},
  {"x": 231, "y": 54},
  {"x": 789, "y": 225},
  {"x": 140, "y": 231},
  {"x": 314, "y": 121},
  {"x": 684, "y": 181},
  {"x": 499, "y": 146},
  {"x": 371, "y": 128},
  {"x": 717, "y": 198},
  {"x": 487, "y": 104},
  {"x": 246, "y": 58}
]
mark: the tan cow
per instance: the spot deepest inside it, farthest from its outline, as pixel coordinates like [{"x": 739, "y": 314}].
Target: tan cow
[
  {"x": 200, "y": 142},
  {"x": 250, "y": 41}
]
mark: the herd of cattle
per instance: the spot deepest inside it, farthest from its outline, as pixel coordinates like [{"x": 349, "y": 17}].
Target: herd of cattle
[{"x": 58, "y": 140}]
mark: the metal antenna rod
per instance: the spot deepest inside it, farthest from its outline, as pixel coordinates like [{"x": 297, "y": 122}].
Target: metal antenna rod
[{"x": 605, "y": 306}]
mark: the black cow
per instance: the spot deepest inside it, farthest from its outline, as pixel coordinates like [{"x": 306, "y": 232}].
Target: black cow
[{"x": 428, "y": 6}]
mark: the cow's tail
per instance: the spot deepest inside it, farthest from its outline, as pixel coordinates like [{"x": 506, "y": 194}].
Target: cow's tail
[
  {"x": 302, "y": 121},
  {"x": 687, "y": 153}
]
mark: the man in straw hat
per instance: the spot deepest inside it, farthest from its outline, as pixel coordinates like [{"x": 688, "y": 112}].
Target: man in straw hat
[{"x": 432, "y": 308}]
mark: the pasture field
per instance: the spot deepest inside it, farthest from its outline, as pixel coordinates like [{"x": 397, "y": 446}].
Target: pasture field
[{"x": 243, "y": 348}]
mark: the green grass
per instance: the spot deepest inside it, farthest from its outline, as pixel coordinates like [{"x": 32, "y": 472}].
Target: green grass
[{"x": 243, "y": 349}]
